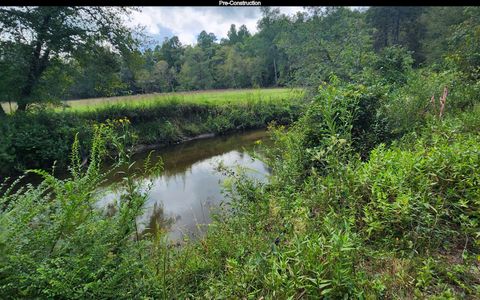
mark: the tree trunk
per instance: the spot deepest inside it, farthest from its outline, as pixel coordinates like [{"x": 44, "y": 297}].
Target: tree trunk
[
  {"x": 2, "y": 111},
  {"x": 28, "y": 87},
  {"x": 22, "y": 105},
  {"x": 385, "y": 38},
  {"x": 38, "y": 64},
  {"x": 37, "y": 67},
  {"x": 275, "y": 70},
  {"x": 396, "y": 28}
]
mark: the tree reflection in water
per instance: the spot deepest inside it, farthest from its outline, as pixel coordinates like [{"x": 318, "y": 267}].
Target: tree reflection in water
[{"x": 158, "y": 222}]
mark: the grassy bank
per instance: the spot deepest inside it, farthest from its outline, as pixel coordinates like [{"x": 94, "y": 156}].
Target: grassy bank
[
  {"x": 38, "y": 138},
  {"x": 194, "y": 97}
]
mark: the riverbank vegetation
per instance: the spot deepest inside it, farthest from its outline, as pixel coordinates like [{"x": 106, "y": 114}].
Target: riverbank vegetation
[
  {"x": 374, "y": 191},
  {"x": 400, "y": 223},
  {"x": 40, "y": 138}
]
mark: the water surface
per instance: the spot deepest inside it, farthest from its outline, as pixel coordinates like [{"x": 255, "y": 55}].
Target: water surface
[{"x": 181, "y": 199}]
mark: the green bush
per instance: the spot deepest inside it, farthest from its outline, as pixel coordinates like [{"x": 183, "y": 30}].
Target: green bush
[
  {"x": 393, "y": 65},
  {"x": 423, "y": 198},
  {"x": 57, "y": 243},
  {"x": 36, "y": 140}
]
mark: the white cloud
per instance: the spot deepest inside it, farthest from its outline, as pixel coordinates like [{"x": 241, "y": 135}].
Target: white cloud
[{"x": 188, "y": 22}]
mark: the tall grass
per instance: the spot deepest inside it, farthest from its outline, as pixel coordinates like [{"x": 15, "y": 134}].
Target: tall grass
[
  {"x": 201, "y": 97},
  {"x": 38, "y": 138}
]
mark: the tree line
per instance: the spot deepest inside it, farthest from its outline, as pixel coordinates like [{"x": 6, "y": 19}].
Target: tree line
[{"x": 56, "y": 53}]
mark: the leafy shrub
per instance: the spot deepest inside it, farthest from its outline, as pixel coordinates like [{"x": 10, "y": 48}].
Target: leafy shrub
[
  {"x": 427, "y": 195},
  {"x": 393, "y": 65},
  {"x": 57, "y": 243}
]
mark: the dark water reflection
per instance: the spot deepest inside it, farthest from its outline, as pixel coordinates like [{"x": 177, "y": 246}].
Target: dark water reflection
[{"x": 181, "y": 199}]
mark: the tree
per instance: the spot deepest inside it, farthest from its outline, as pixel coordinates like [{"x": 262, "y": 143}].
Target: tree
[
  {"x": 198, "y": 67},
  {"x": 206, "y": 40},
  {"x": 159, "y": 79},
  {"x": 47, "y": 33},
  {"x": 243, "y": 34},
  {"x": 464, "y": 44},
  {"x": 270, "y": 26},
  {"x": 398, "y": 26},
  {"x": 171, "y": 51},
  {"x": 328, "y": 41},
  {"x": 97, "y": 74},
  {"x": 11, "y": 65},
  {"x": 196, "y": 73},
  {"x": 164, "y": 77},
  {"x": 235, "y": 70},
  {"x": 439, "y": 25},
  {"x": 232, "y": 35}
]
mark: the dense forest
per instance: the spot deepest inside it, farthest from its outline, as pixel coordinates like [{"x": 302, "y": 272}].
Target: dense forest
[
  {"x": 374, "y": 191},
  {"x": 300, "y": 50}
]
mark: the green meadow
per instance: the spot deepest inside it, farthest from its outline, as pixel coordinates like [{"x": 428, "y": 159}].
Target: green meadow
[{"x": 44, "y": 135}]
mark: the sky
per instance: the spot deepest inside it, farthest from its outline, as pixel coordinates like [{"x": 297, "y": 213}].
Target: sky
[{"x": 188, "y": 22}]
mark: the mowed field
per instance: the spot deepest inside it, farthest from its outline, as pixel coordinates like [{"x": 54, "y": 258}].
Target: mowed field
[{"x": 207, "y": 97}]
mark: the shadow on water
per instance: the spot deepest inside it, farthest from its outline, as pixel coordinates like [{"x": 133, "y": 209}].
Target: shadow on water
[{"x": 181, "y": 199}]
